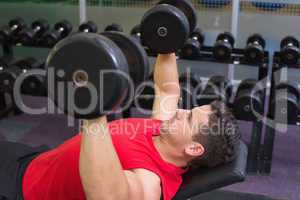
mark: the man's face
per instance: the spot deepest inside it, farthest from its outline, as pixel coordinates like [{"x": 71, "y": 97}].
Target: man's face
[{"x": 186, "y": 123}]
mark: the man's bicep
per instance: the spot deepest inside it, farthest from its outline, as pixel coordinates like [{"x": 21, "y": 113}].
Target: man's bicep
[
  {"x": 165, "y": 105},
  {"x": 143, "y": 187}
]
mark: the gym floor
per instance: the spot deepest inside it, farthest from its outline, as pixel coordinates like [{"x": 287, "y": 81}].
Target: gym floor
[{"x": 283, "y": 183}]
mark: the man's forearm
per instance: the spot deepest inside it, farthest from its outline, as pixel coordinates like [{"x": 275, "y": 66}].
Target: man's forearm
[
  {"x": 166, "y": 74},
  {"x": 100, "y": 169}
]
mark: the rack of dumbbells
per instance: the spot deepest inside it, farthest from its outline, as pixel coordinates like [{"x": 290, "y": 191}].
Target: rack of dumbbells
[
  {"x": 37, "y": 35},
  {"x": 249, "y": 96},
  {"x": 284, "y": 96}
]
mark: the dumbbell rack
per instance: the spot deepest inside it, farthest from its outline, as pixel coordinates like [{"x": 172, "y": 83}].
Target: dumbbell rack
[
  {"x": 237, "y": 58},
  {"x": 268, "y": 145},
  {"x": 7, "y": 51},
  {"x": 5, "y": 109}
]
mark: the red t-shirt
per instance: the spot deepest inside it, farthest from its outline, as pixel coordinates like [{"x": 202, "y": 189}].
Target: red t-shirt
[{"x": 54, "y": 175}]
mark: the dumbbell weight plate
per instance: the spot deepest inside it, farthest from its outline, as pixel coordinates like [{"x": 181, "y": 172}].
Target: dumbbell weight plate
[
  {"x": 90, "y": 26},
  {"x": 258, "y": 38},
  {"x": 222, "y": 51},
  {"x": 114, "y": 27},
  {"x": 228, "y": 36},
  {"x": 32, "y": 84},
  {"x": 187, "y": 8},
  {"x": 139, "y": 68},
  {"x": 289, "y": 39},
  {"x": 248, "y": 105},
  {"x": 19, "y": 22},
  {"x": 42, "y": 23},
  {"x": 8, "y": 78},
  {"x": 198, "y": 34},
  {"x": 249, "y": 100},
  {"x": 254, "y": 53},
  {"x": 81, "y": 69},
  {"x": 191, "y": 49},
  {"x": 136, "y": 30},
  {"x": 290, "y": 55},
  {"x": 164, "y": 29},
  {"x": 66, "y": 25}
]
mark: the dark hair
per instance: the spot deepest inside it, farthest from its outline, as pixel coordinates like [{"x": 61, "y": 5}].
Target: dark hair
[{"x": 220, "y": 139}]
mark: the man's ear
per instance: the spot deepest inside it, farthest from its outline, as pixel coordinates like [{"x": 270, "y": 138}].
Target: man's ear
[{"x": 194, "y": 149}]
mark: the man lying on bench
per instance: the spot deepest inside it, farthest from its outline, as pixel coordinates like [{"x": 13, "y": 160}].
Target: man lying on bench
[{"x": 130, "y": 159}]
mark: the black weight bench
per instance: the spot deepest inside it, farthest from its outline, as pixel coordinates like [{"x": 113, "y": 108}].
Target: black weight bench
[{"x": 205, "y": 180}]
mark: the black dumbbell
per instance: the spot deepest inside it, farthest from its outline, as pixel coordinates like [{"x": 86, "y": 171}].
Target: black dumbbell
[
  {"x": 217, "y": 87},
  {"x": 6, "y": 85},
  {"x": 3, "y": 103},
  {"x": 8, "y": 77},
  {"x": 61, "y": 30},
  {"x": 166, "y": 26},
  {"x": 7, "y": 33},
  {"x": 30, "y": 83},
  {"x": 136, "y": 32},
  {"x": 249, "y": 100},
  {"x": 188, "y": 83},
  {"x": 285, "y": 104},
  {"x": 223, "y": 47},
  {"x": 97, "y": 78},
  {"x": 114, "y": 27},
  {"x": 192, "y": 47},
  {"x": 30, "y": 36},
  {"x": 254, "y": 51},
  {"x": 88, "y": 27},
  {"x": 289, "y": 53}
]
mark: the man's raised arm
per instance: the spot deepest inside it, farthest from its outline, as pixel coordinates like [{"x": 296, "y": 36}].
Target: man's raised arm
[
  {"x": 167, "y": 89},
  {"x": 101, "y": 173}
]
